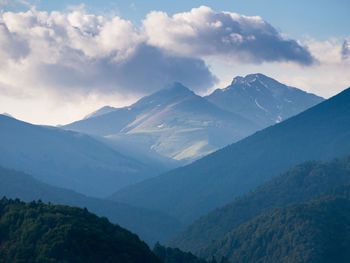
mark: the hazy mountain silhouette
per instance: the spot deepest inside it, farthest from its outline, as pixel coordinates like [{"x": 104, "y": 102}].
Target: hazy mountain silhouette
[
  {"x": 151, "y": 226},
  {"x": 67, "y": 159},
  {"x": 320, "y": 133},
  {"x": 309, "y": 180},
  {"x": 173, "y": 122}
]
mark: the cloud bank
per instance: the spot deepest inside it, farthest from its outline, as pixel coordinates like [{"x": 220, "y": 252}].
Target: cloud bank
[
  {"x": 80, "y": 53},
  {"x": 204, "y": 32},
  {"x": 345, "y": 51},
  {"x": 75, "y": 53}
]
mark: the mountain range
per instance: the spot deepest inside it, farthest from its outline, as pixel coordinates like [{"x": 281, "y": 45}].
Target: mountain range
[
  {"x": 151, "y": 226},
  {"x": 262, "y": 99},
  {"x": 174, "y": 122},
  {"x": 307, "y": 181},
  {"x": 178, "y": 124},
  {"x": 319, "y": 133},
  {"x": 314, "y": 232},
  {"x": 68, "y": 159}
]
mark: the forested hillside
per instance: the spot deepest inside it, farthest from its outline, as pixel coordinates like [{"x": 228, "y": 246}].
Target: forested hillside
[
  {"x": 35, "y": 232},
  {"x": 314, "y": 232},
  {"x": 304, "y": 182}
]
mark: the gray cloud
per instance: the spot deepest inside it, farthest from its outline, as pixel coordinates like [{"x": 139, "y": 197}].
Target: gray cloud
[
  {"x": 147, "y": 70},
  {"x": 204, "y": 32},
  {"x": 345, "y": 51},
  {"x": 77, "y": 53},
  {"x": 12, "y": 46}
]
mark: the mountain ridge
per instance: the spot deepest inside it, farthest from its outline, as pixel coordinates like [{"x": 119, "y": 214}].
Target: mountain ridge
[
  {"x": 221, "y": 176},
  {"x": 66, "y": 158},
  {"x": 262, "y": 99},
  {"x": 173, "y": 122},
  {"x": 316, "y": 232},
  {"x": 151, "y": 226},
  {"x": 304, "y": 182}
]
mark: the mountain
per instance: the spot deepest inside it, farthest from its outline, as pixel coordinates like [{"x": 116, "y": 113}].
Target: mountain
[
  {"x": 103, "y": 110},
  {"x": 314, "y": 232},
  {"x": 35, "y": 232},
  {"x": 320, "y": 133},
  {"x": 67, "y": 159},
  {"x": 307, "y": 181},
  {"x": 173, "y": 122},
  {"x": 263, "y": 100},
  {"x": 151, "y": 226}
]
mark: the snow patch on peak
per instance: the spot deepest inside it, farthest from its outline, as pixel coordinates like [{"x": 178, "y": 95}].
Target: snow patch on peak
[{"x": 259, "y": 106}]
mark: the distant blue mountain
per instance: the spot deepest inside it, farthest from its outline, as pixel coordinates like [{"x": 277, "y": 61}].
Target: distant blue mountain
[
  {"x": 173, "y": 122},
  {"x": 67, "y": 159},
  {"x": 263, "y": 100},
  {"x": 320, "y": 133},
  {"x": 150, "y": 225}
]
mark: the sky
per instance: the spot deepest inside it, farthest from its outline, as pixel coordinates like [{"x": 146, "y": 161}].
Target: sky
[{"x": 63, "y": 59}]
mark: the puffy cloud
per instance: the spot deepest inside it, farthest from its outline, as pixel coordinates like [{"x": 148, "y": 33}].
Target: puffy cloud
[
  {"x": 345, "y": 51},
  {"x": 69, "y": 54},
  {"x": 12, "y": 46},
  {"x": 204, "y": 32}
]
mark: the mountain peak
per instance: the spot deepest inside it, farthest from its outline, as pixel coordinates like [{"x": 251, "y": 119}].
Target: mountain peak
[
  {"x": 178, "y": 87},
  {"x": 7, "y": 115},
  {"x": 262, "y": 99},
  {"x": 250, "y": 78},
  {"x": 173, "y": 91}
]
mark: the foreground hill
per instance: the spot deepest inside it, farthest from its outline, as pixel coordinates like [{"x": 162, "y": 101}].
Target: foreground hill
[
  {"x": 302, "y": 183},
  {"x": 151, "y": 226},
  {"x": 314, "y": 232},
  {"x": 173, "y": 122},
  {"x": 263, "y": 100},
  {"x": 35, "y": 232},
  {"x": 67, "y": 159},
  {"x": 320, "y": 133},
  {"x": 175, "y": 255}
]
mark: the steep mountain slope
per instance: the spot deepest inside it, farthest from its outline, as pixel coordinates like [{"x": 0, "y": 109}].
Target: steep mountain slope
[
  {"x": 262, "y": 99},
  {"x": 150, "y": 225},
  {"x": 314, "y": 232},
  {"x": 99, "y": 112},
  {"x": 66, "y": 159},
  {"x": 173, "y": 122},
  {"x": 320, "y": 133},
  {"x": 36, "y": 232},
  {"x": 304, "y": 182}
]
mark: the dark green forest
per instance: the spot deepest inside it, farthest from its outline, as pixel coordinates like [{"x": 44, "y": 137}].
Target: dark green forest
[
  {"x": 304, "y": 182},
  {"x": 313, "y": 232},
  {"x": 36, "y": 232}
]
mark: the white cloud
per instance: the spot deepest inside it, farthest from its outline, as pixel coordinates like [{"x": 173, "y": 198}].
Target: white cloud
[
  {"x": 87, "y": 60},
  {"x": 68, "y": 54},
  {"x": 204, "y": 32},
  {"x": 329, "y": 76}
]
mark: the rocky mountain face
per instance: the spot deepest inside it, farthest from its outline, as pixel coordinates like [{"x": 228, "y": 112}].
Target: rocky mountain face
[
  {"x": 319, "y": 133},
  {"x": 263, "y": 100},
  {"x": 174, "y": 122}
]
